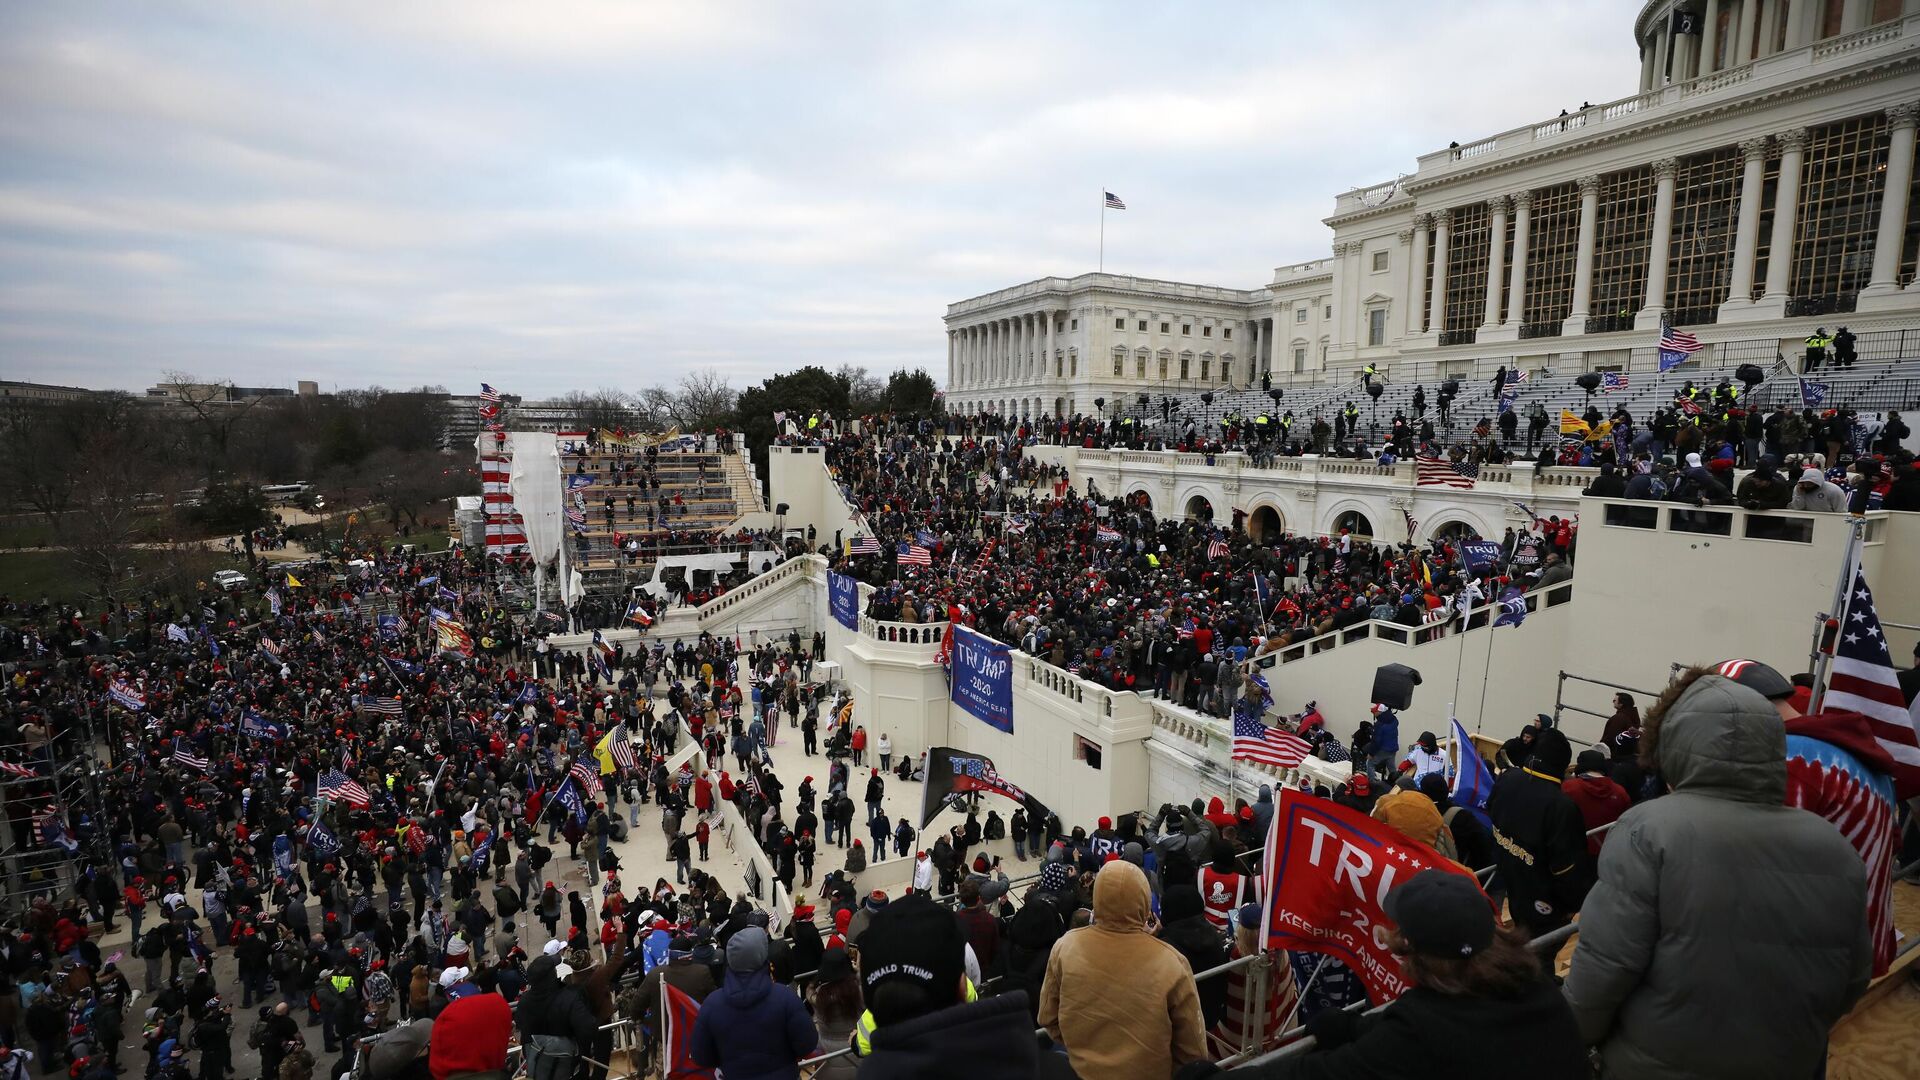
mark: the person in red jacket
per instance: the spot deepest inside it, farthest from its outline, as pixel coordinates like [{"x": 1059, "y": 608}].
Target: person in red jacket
[{"x": 1601, "y": 801}]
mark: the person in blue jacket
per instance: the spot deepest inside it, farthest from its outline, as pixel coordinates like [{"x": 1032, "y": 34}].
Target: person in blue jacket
[{"x": 751, "y": 1029}]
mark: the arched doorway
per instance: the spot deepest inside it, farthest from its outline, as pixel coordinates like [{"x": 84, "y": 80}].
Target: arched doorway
[
  {"x": 1455, "y": 532},
  {"x": 1140, "y": 500},
  {"x": 1354, "y": 522},
  {"x": 1199, "y": 509},
  {"x": 1265, "y": 525},
  {"x": 1059, "y": 407}
]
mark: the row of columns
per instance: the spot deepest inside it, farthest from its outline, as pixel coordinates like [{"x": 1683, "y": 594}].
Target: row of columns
[
  {"x": 1000, "y": 350},
  {"x": 1750, "y": 28},
  {"x": 1884, "y": 279}
]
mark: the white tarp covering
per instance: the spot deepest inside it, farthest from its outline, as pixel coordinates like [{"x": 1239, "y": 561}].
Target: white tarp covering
[{"x": 535, "y": 484}]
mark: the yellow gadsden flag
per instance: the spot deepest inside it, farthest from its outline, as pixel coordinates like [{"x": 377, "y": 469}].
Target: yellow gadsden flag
[
  {"x": 1573, "y": 425},
  {"x": 294, "y": 582}
]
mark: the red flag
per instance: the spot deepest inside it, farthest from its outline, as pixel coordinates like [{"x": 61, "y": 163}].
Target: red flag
[
  {"x": 678, "y": 1011},
  {"x": 1327, "y": 870}
]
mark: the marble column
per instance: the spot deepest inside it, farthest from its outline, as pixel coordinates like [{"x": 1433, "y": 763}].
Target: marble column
[
  {"x": 1746, "y": 230},
  {"x": 1583, "y": 255},
  {"x": 1892, "y": 233},
  {"x": 1416, "y": 275},
  {"x": 1496, "y": 260},
  {"x": 1437, "y": 295},
  {"x": 1660, "y": 244},
  {"x": 1517, "y": 275},
  {"x": 1786, "y": 213},
  {"x": 1742, "y": 50},
  {"x": 1854, "y": 15},
  {"x": 1253, "y": 350}
]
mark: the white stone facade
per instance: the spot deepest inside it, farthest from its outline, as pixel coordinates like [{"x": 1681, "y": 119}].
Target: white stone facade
[{"x": 1760, "y": 184}]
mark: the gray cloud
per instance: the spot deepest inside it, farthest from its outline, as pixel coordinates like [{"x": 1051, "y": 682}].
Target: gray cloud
[{"x": 584, "y": 193}]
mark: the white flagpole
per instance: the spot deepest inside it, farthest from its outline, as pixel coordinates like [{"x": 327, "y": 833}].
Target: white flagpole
[{"x": 1103, "y": 230}]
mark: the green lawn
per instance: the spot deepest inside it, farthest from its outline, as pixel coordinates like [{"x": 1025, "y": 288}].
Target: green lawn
[{"x": 32, "y": 575}]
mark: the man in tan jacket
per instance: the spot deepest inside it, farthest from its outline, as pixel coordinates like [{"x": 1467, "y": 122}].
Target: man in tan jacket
[{"x": 1121, "y": 1000}]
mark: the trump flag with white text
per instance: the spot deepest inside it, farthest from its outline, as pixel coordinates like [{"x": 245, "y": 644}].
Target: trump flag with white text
[{"x": 1328, "y": 869}]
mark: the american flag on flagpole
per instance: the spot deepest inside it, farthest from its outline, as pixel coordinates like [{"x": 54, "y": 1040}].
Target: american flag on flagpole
[
  {"x": 1253, "y": 740},
  {"x": 1611, "y": 381},
  {"x": 1678, "y": 341},
  {"x": 1435, "y": 472},
  {"x": 187, "y": 757},
  {"x": 1218, "y": 548},
  {"x": 1862, "y": 679},
  {"x": 489, "y": 394},
  {"x": 334, "y": 784},
  {"x": 914, "y": 555},
  {"x": 389, "y": 705},
  {"x": 1113, "y": 202},
  {"x": 621, "y": 747},
  {"x": 864, "y": 545},
  {"x": 586, "y": 776}
]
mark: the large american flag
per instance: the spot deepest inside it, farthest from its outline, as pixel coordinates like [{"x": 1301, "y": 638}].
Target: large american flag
[
  {"x": 335, "y": 784},
  {"x": 1862, "y": 679},
  {"x": 1611, "y": 381},
  {"x": 1435, "y": 472},
  {"x": 389, "y": 705},
  {"x": 185, "y": 756},
  {"x": 586, "y": 775},
  {"x": 1113, "y": 202},
  {"x": 489, "y": 394},
  {"x": 1672, "y": 340},
  {"x": 1218, "y": 548},
  {"x": 914, "y": 555},
  {"x": 1253, "y": 740},
  {"x": 864, "y": 545}
]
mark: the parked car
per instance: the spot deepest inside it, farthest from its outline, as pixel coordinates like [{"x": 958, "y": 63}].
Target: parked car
[{"x": 230, "y": 580}]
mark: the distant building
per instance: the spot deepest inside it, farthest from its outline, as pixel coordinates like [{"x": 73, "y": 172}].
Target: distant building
[
  {"x": 222, "y": 393},
  {"x": 1761, "y": 183},
  {"x": 41, "y": 392}
]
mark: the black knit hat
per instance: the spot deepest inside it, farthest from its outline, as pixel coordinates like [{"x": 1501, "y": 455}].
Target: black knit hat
[
  {"x": 1441, "y": 913},
  {"x": 912, "y": 956}
]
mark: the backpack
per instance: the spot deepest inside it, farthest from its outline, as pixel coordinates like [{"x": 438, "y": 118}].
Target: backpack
[
  {"x": 257, "y": 1034},
  {"x": 154, "y": 945}
]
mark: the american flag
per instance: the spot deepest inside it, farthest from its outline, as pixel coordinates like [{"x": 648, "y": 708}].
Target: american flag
[
  {"x": 1113, "y": 202},
  {"x": 586, "y": 776},
  {"x": 1253, "y": 740},
  {"x": 52, "y": 824},
  {"x": 489, "y": 394},
  {"x": 1435, "y": 472},
  {"x": 1218, "y": 549},
  {"x": 1185, "y": 631},
  {"x": 388, "y": 705},
  {"x": 1672, "y": 340},
  {"x": 1515, "y": 378},
  {"x": 864, "y": 545},
  {"x": 335, "y": 784},
  {"x": 1074, "y": 666},
  {"x": 13, "y": 768},
  {"x": 620, "y": 745},
  {"x": 914, "y": 555},
  {"x": 1862, "y": 679},
  {"x": 187, "y": 757},
  {"x": 1611, "y": 381},
  {"x": 753, "y": 779}
]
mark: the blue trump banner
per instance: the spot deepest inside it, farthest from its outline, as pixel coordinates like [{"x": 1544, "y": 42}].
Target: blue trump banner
[
  {"x": 983, "y": 678},
  {"x": 1480, "y": 555},
  {"x": 843, "y": 599}
]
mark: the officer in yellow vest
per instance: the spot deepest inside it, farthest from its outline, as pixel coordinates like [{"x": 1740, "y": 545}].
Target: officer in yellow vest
[{"x": 1817, "y": 344}]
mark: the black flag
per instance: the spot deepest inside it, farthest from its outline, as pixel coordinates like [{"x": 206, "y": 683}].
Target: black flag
[{"x": 953, "y": 772}]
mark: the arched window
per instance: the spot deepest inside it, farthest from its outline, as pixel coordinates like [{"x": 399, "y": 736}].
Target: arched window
[{"x": 1354, "y": 522}]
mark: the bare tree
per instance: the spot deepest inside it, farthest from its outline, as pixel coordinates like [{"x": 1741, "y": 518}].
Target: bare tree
[
  {"x": 216, "y": 411},
  {"x": 603, "y": 408},
  {"x": 705, "y": 400},
  {"x": 655, "y": 407},
  {"x": 866, "y": 394}
]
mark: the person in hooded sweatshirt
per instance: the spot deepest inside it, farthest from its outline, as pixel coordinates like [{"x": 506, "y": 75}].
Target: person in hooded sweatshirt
[
  {"x": 1542, "y": 843},
  {"x": 749, "y": 1028},
  {"x": 924, "y": 1019},
  {"x": 1764, "y": 488},
  {"x": 555, "y": 1023},
  {"x": 1184, "y": 925},
  {"x": 1601, "y": 801},
  {"x": 1725, "y": 935},
  {"x": 1122, "y": 1001}
]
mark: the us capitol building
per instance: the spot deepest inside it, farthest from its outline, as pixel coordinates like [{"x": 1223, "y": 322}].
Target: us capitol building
[{"x": 1760, "y": 183}]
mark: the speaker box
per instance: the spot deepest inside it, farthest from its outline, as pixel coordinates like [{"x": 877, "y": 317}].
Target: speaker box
[{"x": 1393, "y": 685}]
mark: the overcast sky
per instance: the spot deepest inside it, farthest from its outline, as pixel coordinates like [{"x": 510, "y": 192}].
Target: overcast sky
[{"x": 554, "y": 195}]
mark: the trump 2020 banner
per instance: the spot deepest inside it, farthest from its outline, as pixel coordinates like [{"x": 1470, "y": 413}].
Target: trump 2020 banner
[
  {"x": 1480, "y": 555},
  {"x": 1328, "y": 869},
  {"x": 843, "y": 599},
  {"x": 983, "y": 678}
]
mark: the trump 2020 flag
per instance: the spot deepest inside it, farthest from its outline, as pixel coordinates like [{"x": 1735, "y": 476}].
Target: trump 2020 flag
[{"x": 1326, "y": 875}]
